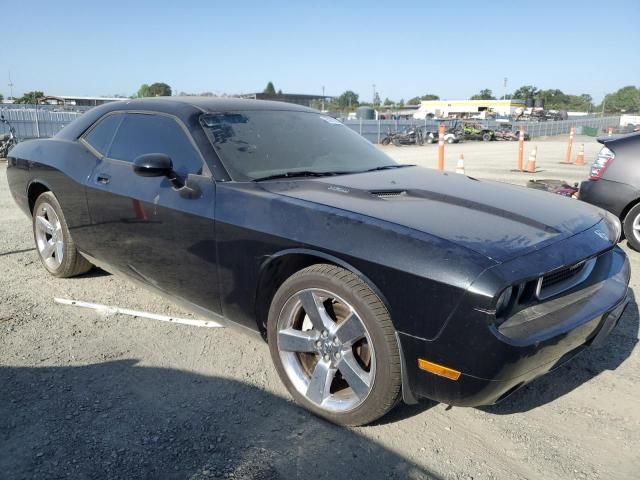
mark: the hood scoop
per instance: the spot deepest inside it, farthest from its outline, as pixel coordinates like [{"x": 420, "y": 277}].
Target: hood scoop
[{"x": 388, "y": 194}]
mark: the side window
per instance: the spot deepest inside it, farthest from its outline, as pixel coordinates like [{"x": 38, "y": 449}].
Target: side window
[
  {"x": 100, "y": 136},
  {"x": 147, "y": 133}
]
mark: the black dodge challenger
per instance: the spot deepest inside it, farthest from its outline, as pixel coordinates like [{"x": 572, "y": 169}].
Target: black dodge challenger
[{"x": 371, "y": 281}]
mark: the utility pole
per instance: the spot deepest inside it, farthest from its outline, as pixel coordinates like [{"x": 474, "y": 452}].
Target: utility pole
[
  {"x": 323, "y": 98},
  {"x": 504, "y": 97},
  {"x": 10, "y": 86}
]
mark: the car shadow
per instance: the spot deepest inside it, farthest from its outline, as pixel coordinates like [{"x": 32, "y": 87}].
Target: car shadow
[
  {"x": 119, "y": 419},
  {"x": 590, "y": 363}
]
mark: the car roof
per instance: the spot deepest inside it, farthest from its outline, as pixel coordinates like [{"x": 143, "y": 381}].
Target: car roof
[{"x": 214, "y": 104}]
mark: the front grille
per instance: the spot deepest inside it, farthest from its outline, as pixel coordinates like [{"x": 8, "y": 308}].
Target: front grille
[
  {"x": 562, "y": 275},
  {"x": 564, "y": 278}
]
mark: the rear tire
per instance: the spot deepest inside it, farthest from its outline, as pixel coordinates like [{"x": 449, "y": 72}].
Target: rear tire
[
  {"x": 487, "y": 137},
  {"x": 631, "y": 227},
  {"x": 56, "y": 249},
  {"x": 335, "y": 297}
]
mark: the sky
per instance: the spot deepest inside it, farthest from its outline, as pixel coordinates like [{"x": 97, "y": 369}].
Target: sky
[{"x": 449, "y": 48}]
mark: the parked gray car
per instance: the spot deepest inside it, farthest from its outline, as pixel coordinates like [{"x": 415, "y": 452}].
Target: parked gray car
[{"x": 614, "y": 182}]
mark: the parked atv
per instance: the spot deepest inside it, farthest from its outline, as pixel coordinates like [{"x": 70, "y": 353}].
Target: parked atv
[
  {"x": 450, "y": 136},
  {"x": 507, "y": 133},
  {"x": 409, "y": 136},
  {"x": 477, "y": 131}
]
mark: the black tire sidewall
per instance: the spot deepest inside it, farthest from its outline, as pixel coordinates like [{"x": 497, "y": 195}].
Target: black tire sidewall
[
  {"x": 627, "y": 227},
  {"x": 384, "y": 380},
  {"x": 68, "y": 264}
]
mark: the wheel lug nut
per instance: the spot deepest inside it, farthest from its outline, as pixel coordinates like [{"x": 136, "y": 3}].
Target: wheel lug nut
[
  {"x": 338, "y": 354},
  {"x": 326, "y": 358},
  {"x": 318, "y": 343},
  {"x": 324, "y": 334}
]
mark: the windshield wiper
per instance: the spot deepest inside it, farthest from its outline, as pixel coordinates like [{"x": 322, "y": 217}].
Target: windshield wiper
[
  {"x": 389, "y": 167},
  {"x": 299, "y": 173}
]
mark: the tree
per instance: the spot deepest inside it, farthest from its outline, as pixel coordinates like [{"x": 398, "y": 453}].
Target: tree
[
  {"x": 270, "y": 89},
  {"x": 429, "y": 96},
  {"x": 388, "y": 102},
  {"x": 30, "y": 97},
  {"x": 626, "y": 99},
  {"x": 143, "y": 91},
  {"x": 414, "y": 101},
  {"x": 525, "y": 92},
  {"x": 1, "y": 98},
  {"x": 159, "y": 89},
  {"x": 401, "y": 103},
  {"x": 348, "y": 99},
  {"x": 376, "y": 99},
  {"x": 485, "y": 94},
  {"x": 279, "y": 91}
]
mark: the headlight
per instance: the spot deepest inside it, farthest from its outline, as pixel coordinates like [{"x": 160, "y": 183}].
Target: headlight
[
  {"x": 503, "y": 301},
  {"x": 614, "y": 223}
]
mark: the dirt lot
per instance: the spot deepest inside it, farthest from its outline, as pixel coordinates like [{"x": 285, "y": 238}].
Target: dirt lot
[{"x": 90, "y": 396}]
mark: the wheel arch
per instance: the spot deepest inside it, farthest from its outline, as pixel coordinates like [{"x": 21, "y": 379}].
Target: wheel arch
[
  {"x": 629, "y": 206},
  {"x": 34, "y": 190},
  {"x": 275, "y": 270}
]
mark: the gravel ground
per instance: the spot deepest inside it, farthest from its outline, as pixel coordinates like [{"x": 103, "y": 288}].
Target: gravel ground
[{"x": 84, "y": 395}]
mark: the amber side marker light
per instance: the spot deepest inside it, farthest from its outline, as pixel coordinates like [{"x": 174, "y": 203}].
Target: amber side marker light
[{"x": 441, "y": 370}]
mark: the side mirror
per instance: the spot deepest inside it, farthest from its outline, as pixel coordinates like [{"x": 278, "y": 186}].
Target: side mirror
[{"x": 153, "y": 165}]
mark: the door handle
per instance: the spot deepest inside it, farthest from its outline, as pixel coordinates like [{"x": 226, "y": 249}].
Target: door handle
[{"x": 103, "y": 179}]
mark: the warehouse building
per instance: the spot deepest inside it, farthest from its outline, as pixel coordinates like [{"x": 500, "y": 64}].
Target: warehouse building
[{"x": 467, "y": 108}]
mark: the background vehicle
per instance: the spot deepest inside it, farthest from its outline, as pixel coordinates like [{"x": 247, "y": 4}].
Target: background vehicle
[
  {"x": 408, "y": 136},
  {"x": 282, "y": 220},
  {"x": 477, "y": 131},
  {"x": 508, "y": 133},
  {"x": 614, "y": 182},
  {"x": 8, "y": 140},
  {"x": 453, "y": 134}
]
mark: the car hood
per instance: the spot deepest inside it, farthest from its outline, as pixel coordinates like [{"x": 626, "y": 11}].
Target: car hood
[{"x": 497, "y": 220}]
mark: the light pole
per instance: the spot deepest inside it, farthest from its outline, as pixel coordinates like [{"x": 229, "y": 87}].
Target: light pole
[
  {"x": 504, "y": 97},
  {"x": 373, "y": 99}
]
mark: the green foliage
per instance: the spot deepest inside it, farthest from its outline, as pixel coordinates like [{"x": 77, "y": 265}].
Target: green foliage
[
  {"x": 524, "y": 92},
  {"x": 401, "y": 103},
  {"x": 485, "y": 94},
  {"x": 388, "y": 102},
  {"x": 429, "y": 96},
  {"x": 1, "y": 98},
  {"x": 143, "y": 91},
  {"x": 158, "y": 89},
  {"x": 30, "y": 97},
  {"x": 626, "y": 99},
  {"x": 414, "y": 101},
  {"x": 270, "y": 89},
  {"x": 376, "y": 99},
  {"x": 348, "y": 99}
]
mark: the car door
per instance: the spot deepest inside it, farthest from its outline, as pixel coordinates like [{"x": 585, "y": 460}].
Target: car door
[{"x": 148, "y": 228}]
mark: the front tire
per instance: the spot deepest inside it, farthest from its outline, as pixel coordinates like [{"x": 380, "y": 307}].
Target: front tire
[
  {"x": 334, "y": 346},
  {"x": 631, "y": 227},
  {"x": 54, "y": 244}
]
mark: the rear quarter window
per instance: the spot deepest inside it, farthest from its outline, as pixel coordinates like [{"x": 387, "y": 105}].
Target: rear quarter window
[{"x": 101, "y": 134}]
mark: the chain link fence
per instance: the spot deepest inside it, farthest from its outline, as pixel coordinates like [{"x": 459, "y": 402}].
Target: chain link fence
[
  {"x": 41, "y": 121},
  {"x": 376, "y": 130},
  {"x": 38, "y": 121}
]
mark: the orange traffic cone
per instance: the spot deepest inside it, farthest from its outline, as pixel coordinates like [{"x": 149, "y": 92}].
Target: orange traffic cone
[
  {"x": 531, "y": 163},
  {"x": 460, "y": 166},
  {"x": 610, "y": 131},
  {"x": 580, "y": 156}
]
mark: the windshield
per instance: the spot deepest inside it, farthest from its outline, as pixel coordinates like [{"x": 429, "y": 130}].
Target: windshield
[{"x": 264, "y": 143}]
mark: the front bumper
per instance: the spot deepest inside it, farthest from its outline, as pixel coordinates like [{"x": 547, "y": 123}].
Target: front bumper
[{"x": 494, "y": 362}]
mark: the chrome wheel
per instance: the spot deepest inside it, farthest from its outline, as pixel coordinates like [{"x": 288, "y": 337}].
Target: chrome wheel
[
  {"x": 326, "y": 350},
  {"x": 49, "y": 236},
  {"x": 636, "y": 227}
]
